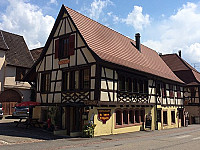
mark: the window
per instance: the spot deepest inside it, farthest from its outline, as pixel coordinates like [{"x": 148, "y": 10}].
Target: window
[
  {"x": 140, "y": 86},
  {"x": 164, "y": 90},
  {"x": 76, "y": 79},
  {"x": 137, "y": 116},
  {"x": 171, "y": 91},
  {"x": 178, "y": 92},
  {"x": 121, "y": 83},
  {"x": 65, "y": 81},
  {"x": 146, "y": 89},
  {"x": 131, "y": 116},
  {"x": 135, "y": 86},
  {"x": 158, "y": 115},
  {"x": 118, "y": 118},
  {"x": 20, "y": 73},
  {"x": 72, "y": 80},
  {"x": 128, "y": 84},
  {"x": 193, "y": 92},
  {"x": 165, "y": 117},
  {"x": 125, "y": 117},
  {"x": 45, "y": 82},
  {"x": 173, "y": 116},
  {"x": 158, "y": 93},
  {"x": 85, "y": 79},
  {"x": 76, "y": 83},
  {"x": 64, "y": 46},
  {"x": 142, "y": 114}
]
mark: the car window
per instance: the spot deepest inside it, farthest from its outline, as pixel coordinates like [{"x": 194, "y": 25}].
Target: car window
[
  {"x": 0, "y": 105},
  {"x": 21, "y": 107}
]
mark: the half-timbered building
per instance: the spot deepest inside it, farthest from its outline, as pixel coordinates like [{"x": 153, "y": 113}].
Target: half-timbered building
[
  {"x": 89, "y": 72},
  {"x": 15, "y": 61},
  {"x": 191, "y": 77}
]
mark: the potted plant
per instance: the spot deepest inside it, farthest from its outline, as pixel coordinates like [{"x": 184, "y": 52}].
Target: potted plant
[{"x": 88, "y": 130}]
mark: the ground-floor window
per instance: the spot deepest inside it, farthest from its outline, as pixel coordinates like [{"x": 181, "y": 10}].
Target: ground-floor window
[
  {"x": 173, "y": 116},
  {"x": 137, "y": 116},
  {"x": 158, "y": 115},
  {"x": 118, "y": 118},
  {"x": 125, "y": 117},
  {"x": 129, "y": 117},
  {"x": 165, "y": 117}
]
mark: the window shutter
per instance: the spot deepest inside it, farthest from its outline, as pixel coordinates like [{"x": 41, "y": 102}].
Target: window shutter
[
  {"x": 56, "y": 48},
  {"x": 71, "y": 44}
]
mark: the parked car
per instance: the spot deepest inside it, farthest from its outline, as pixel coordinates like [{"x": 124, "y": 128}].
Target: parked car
[
  {"x": 21, "y": 111},
  {"x": 1, "y": 111}
]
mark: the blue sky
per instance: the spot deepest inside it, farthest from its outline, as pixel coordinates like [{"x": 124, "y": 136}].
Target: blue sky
[{"x": 165, "y": 26}]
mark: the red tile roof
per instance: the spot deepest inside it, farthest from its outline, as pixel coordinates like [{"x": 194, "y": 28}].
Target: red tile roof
[
  {"x": 178, "y": 64},
  {"x": 3, "y": 45},
  {"x": 36, "y": 53},
  {"x": 17, "y": 53},
  {"x": 114, "y": 47}
]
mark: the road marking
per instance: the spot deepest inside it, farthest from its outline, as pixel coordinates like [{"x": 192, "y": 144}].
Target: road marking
[
  {"x": 197, "y": 138},
  {"x": 183, "y": 136}
]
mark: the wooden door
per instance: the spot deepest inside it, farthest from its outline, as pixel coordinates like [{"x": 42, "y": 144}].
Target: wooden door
[{"x": 67, "y": 120}]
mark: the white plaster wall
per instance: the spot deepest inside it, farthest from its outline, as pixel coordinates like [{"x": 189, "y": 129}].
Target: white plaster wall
[
  {"x": 2, "y": 70},
  {"x": 10, "y": 74}
]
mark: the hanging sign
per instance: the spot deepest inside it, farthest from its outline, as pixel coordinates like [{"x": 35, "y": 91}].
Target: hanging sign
[
  {"x": 61, "y": 62},
  {"x": 104, "y": 115}
]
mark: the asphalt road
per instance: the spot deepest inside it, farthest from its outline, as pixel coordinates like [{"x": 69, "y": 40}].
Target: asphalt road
[{"x": 186, "y": 138}]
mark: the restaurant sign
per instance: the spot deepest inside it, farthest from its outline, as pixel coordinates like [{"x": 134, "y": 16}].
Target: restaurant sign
[
  {"x": 61, "y": 62},
  {"x": 104, "y": 115}
]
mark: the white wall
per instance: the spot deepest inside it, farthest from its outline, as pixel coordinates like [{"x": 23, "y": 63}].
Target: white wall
[{"x": 2, "y": 64}]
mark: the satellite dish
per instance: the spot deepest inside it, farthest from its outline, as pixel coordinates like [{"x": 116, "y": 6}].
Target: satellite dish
[{"x": 186, "y": 94}]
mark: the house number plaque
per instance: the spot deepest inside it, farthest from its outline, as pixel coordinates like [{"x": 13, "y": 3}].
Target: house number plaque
[{"x": 104, "y": 115}]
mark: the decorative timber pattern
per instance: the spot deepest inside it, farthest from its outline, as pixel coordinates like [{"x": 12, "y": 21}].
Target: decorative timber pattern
[
  {"x": 132, "y": 97},
  {"x": 75, "y": 97}
]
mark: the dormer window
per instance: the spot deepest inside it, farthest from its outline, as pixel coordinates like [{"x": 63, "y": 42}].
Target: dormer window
[
  {"x": 20, "y": 73},
  {"x": 64, "y": 46}
]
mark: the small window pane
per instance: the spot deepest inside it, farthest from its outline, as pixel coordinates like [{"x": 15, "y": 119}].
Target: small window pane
[
  {"x": 137, "y": 116},
  {"x": 76, "y": 79},
  {"x": 121, "y": 83},
  {"x": 159, "y": 115},
  {"x": 142, "y": 114},
  {"x": 164, "y": 117},
  {"x": 173, "y": 116},
  {"x": 131, "y": 116},
  {"x": 118, "y": 118},
  {"x": 86, "y": 79},
  {"x": 125, "y": 117}
]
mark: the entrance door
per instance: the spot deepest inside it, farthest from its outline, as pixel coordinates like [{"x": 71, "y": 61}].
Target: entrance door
[
  {"x": 9, "y": 98},
  {"x": 73, "y": 119},
  {"x": 181, "y": 116}
]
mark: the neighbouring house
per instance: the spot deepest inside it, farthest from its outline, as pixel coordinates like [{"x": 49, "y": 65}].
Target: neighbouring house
[
  {"x": 15, "y": 61},
  {"x": 88, "y": 72},
  {"x": 191, "y": 77},
  {"x": 36, "y": 53}
]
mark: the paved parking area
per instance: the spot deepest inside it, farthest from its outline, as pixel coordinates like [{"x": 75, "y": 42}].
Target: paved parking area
[
  {"x": 18, "y": 138},
  {"x": 9, "y": 134}
]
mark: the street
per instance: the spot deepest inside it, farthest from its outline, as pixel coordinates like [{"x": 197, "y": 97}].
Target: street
[{"x": 18, "y": 138}]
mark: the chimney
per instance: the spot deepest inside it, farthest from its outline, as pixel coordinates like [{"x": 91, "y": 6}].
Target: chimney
[
  {"x": 179, "y": 53},
  {"x": 137, "y": 40}
]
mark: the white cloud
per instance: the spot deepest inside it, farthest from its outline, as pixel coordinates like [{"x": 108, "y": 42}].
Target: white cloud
[
  {"x": 179, "y": 32},
  {"x": 96, "y": 8},
  {"x": 28, "y": 20},
  {"x": 137, "y": 19},
  {"x": 53, "y": 2}
]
